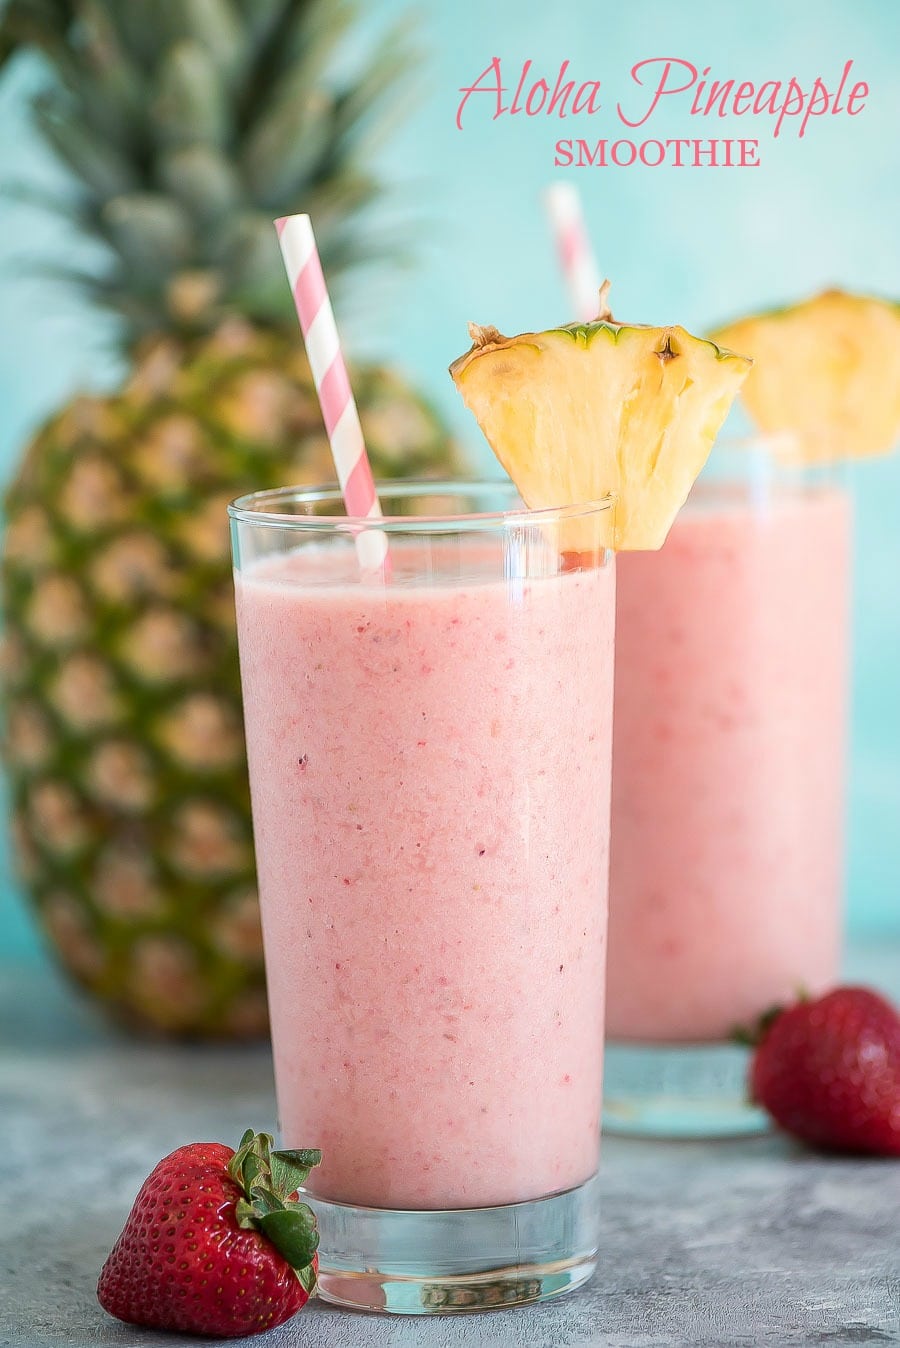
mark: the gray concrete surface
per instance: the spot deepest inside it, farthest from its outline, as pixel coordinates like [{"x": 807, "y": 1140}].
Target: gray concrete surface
[{"x": 738, "y": 1243}]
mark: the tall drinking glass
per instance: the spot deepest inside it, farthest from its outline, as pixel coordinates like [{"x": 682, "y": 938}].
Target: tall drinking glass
[
  {"x": 726, "y": 886},
  {"x": 429, "y": 753}
]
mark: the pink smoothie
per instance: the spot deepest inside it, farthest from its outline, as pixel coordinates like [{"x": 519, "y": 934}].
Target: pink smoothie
[
  {"x": 728, "y": 781},
  {"x": 430, "y": 772}
]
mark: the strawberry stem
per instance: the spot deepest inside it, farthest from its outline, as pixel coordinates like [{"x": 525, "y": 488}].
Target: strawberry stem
[
  {"x": 749, "y": 1036},
  {"x": 267, "y": 1180}
]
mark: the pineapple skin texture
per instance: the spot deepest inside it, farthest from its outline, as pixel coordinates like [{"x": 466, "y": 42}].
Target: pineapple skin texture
[{"x": 123, "y": 737}]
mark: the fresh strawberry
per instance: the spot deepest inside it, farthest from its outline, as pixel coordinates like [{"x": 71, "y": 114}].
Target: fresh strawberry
[
  {"x": 828, "y": 1071},
  {"x": 214, "y": 1243}
]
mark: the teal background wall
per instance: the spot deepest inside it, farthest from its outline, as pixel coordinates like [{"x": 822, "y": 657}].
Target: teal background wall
[{"x": 692, "y": 245}]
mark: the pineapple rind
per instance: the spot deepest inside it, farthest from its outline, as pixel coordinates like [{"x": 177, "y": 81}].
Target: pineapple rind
[{"x": 585, "y": 331}]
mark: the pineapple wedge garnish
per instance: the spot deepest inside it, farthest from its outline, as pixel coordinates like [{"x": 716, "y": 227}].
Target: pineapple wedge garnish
[
  {"x": 826, "y": 372},
  {"x": 580, "y": 412}
]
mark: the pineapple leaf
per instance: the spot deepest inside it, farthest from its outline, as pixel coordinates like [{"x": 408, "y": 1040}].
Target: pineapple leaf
[
  {"x": 273, "y": 25},
  {"x": 288, "y": 35},
  {"x": 337, "y": 197},
  {"x": 138, "y": 32},
  {"x": 107, "y": 86},
  {"x": 309, "y": 39},
  {"x": 104, "y": 169},
  {"x": 287, "y": 148},
  {"x": 97, "y": 94},
  {"x": 138, "y": 312},
  {"x": 191, "y": 104},
  {"x": 35, "y": 23},
  {"x": 295, "y": 117},
  {"x": 150, "y": 232},
  {"x": 215, "y": 26},
  {"x": 202, "y": 180},
  {"x": 261, "y": 16},
  {"x": 360, "y": 105},
  {"x": 98, "y": 39},
  {"x": 252, "y": 260},
  {"x": 79, "y": 278}
]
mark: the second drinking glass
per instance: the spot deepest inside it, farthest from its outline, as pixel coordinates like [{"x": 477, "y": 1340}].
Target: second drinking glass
[{"x": 726, "y": 886}]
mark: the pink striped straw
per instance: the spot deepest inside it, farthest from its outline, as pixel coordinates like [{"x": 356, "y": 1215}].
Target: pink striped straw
[
  {"x": 329, "y": 372},
  {"x": 579, "y": 265}
]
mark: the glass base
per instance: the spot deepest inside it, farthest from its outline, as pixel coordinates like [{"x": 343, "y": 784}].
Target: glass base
[
  {"x": 468, "y": 1259},
  {"x": 679, "y": 1091}
]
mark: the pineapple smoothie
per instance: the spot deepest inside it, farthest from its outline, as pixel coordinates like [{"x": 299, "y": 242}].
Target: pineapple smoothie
[
  {"x": 435, "y": 927},
  {"x": 732, "y": 650}
]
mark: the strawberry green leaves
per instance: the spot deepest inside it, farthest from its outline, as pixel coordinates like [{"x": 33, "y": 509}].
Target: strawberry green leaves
[
  {"x": 290, "y": 1169},
  {"x": 268, "y": 1179},
  {"x": 292, "y": 1230}
]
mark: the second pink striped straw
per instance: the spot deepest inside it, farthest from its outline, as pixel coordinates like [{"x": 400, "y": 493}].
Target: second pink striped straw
[
  {"x": 329, "y": 372},
  {"x": 576, "y": 257}
]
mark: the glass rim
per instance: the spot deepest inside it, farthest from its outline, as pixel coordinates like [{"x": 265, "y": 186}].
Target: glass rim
[{"x": 251, "y": 507}]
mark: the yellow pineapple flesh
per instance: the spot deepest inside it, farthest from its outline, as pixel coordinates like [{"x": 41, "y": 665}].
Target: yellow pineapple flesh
[
  {"x": 826, "y": 372},
  {"x": 580, "y": 412}
]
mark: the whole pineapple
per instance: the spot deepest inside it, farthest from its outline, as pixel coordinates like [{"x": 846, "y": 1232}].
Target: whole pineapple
[{"x": 188, "y": 125}]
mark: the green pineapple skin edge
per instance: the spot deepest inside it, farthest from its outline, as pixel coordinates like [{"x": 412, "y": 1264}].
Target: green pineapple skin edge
[{"x": 186, "y": 128}]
